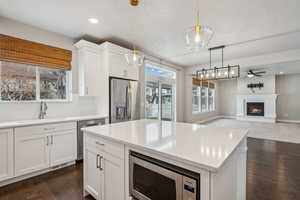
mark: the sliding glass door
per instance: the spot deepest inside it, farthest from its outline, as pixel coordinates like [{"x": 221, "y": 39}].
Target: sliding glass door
[
  {"x": 160, "y": 101},
  {"x": 167, "y": 102}
]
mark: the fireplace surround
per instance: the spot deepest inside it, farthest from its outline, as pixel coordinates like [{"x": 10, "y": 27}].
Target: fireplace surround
[{"x": 268, "y": 114}]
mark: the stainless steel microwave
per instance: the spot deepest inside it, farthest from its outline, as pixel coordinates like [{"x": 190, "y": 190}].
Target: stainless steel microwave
[{"x": 151, "y": 179}]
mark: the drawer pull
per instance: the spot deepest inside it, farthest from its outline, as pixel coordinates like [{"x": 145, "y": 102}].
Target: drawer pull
[
  {"x": 49, "y": 129},
  {"x": 101, "y": 144}
]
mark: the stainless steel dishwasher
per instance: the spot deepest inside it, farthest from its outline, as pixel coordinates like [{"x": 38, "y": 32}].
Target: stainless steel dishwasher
[{"x": 83, "y": 124}]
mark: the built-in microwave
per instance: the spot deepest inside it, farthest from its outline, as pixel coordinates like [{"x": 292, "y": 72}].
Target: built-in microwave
[{"x": 152, "y": 179}]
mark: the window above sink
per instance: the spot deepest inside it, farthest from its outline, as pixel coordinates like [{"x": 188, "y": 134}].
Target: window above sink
[{"x": 29, "y": 83}]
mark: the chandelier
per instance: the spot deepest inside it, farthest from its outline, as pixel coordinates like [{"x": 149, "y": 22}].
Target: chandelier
[
  {"x": 218, "y": 73},
  {"x": 198, "y": 36}
]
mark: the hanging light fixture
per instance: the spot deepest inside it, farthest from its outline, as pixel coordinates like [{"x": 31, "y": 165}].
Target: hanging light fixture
[
  {"x": 217, "y": 73},
  {"x": 134, "y": 57},
  {"x": 198, "y": 36}
]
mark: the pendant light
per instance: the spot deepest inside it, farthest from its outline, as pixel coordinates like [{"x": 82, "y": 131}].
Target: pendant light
[
  {"x": 198, "y": 36},
  {"x": 134, "y": 57}
]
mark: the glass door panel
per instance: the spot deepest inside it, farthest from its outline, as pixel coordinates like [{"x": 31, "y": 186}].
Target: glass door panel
[
  {"x": 152, "y": 100},
  {"x": 166, "y": 102}
]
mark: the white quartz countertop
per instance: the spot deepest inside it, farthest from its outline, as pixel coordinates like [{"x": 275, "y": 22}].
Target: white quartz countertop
[
  {"x": 201, "y": 146},
  {"x": 13, "y": 124}
]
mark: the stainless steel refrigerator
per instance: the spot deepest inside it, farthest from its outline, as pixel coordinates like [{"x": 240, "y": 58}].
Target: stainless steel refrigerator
[{"x": 123, "y": 100}]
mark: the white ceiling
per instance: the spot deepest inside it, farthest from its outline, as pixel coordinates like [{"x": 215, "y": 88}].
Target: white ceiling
[{"x": 158, "y": 26}]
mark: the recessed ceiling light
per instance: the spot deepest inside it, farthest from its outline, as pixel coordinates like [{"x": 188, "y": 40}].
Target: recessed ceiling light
[
  {"x": 281, "y": 72},
  {"x": 93, "y": 20}
]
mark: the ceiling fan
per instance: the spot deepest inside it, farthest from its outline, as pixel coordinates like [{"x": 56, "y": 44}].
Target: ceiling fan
[{"x": 251, "y": 73}]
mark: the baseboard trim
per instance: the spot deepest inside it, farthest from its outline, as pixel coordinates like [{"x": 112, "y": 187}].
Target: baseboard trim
[
  {"x": 215, "y": 118},
  {"x": 207, "y": 120},
  {"x": 289, "y": 121},
  {"x": 33, "y": 174}
]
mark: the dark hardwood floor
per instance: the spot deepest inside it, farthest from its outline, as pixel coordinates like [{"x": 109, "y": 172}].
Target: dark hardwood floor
[{"x": 273, "y": 173}]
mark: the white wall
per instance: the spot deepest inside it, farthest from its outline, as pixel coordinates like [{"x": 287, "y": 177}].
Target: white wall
[
  {"x": 22, "y": 111},
  {"x": 268, "y": 81},
  {"x": 227, "y": 97},
  {"x": 288, "y": 103}
]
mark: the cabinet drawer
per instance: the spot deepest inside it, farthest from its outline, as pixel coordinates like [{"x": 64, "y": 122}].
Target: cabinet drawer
[
  {"x": 109, "y": 147},
  {"x": 45, "y": 129}
]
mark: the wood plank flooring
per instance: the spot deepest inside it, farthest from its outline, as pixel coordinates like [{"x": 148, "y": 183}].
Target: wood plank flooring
[
  {"x": 273, "y": 170},
  {"x": 273, "y": 173}
]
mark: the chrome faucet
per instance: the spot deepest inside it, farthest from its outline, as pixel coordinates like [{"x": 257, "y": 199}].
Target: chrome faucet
[{"x": 43, "y": 110}]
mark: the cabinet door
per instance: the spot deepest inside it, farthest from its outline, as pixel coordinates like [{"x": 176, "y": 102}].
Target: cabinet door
[
  {"x": 91, "y": 68},
  {"x": 92, "y": 174},
  {"x": 31, "y": 152},
  {"x": 114, "y": 177},
  {"x": 63, "y": 147},
  {"x": 6, "y": 154}
]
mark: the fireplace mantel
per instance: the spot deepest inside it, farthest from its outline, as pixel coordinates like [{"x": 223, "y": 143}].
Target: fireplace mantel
[{"x": 269, "y": 101}]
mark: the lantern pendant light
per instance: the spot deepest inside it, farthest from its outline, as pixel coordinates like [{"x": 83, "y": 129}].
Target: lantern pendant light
[{"x": 198, "y": 36}]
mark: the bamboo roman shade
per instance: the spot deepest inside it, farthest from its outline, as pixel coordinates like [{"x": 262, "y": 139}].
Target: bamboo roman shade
[
  {"x": 23, "y": 51},
  {"x": 201, "y": 83}
]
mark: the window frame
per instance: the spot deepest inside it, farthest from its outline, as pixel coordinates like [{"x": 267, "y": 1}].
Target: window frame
[
  {"x": 69, "y": 96},
  {"x": 200, "y": 110}
]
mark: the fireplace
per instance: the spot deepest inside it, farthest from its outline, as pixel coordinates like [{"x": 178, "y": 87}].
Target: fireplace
[{"x": 255, "y": 109}]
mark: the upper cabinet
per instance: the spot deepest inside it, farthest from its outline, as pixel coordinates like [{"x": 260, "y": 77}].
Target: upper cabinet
[
  {"x": 114, "y": 57},
  {"x": 93, "y": 73}
]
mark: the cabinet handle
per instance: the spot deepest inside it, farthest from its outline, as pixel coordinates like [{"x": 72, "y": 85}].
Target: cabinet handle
[
  {"x": 47, "y": 143},
  {"x": 51, "y": 139},
  {"x": 98, "y": 161},
  {"x": 100, "y": 167},
  {"x": 87, "y": 91},
  {"x": 101, "y": 144},
  {"x": 49, "y": 129}
]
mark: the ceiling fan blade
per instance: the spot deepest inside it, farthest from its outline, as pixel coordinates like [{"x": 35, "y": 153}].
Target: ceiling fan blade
[{"x": 261, "y": 72}]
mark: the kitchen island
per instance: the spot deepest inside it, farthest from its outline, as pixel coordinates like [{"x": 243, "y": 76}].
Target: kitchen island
[{"x": 192, "y": 161}]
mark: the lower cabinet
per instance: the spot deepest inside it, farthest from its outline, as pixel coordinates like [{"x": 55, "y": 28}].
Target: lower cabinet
[
  {"x": 92, "y": 173},
  {"x": 103, "y": 173},
  {"x": 63, "y": 147},
  {"x": 31, "y": 153},
  {"x": 6, "y": 154},
  {"x": 113, "y": 169},
  {"x": 41, "y": 147}
]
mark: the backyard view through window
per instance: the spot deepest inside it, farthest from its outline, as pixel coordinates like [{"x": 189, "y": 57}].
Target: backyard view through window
[
  {"x": 160, "y": 94},
  {"x": 21, "y": 82},
  {"x": 203, "y": 99}
]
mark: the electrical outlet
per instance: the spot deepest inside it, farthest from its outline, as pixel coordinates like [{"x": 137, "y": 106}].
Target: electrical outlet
[{"x": 286, "y": 115}]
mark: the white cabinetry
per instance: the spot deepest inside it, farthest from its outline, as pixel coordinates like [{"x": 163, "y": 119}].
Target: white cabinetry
[
  {"x": 116, "y": 62},
  {"x": 6, "y": 154},
  {"x": 41, "y": 147},
  {"x": 103, "y": 169},
  {"x": 93, "y": 73}
]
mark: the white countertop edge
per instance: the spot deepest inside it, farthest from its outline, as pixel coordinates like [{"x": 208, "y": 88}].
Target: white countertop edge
[
  {"x": 23, "y": 123},
  {"x": 166, "y": 155}
]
